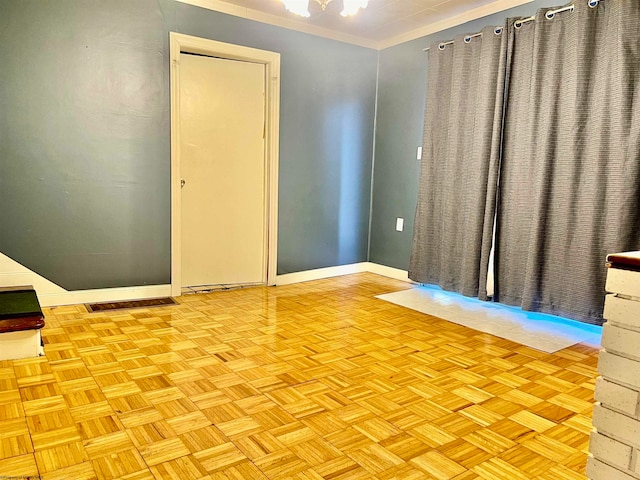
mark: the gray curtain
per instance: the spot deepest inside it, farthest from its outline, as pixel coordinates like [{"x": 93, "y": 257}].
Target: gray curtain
[
  {"x": 461, "y": 150},
  {"x": 570, "y": 171}
]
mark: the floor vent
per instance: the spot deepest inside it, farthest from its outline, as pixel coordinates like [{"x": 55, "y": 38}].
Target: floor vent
[{"x": 151, "y": 302}]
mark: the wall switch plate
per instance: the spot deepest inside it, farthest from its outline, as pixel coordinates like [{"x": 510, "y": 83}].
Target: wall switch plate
[
  {"x": 419, "y": 155},
  {"x": 399, "y": 224}
]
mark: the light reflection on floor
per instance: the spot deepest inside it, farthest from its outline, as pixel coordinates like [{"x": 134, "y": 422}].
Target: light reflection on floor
[{"x": 540, "y": 331}]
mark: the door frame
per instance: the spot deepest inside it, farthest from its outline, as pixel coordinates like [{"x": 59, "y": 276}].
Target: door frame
[{"x": 180, "y": 43}]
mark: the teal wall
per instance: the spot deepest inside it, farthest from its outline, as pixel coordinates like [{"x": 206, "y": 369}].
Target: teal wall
[
  {"x": 85, "y": 139},
  {"x": 400, "y": 119}
]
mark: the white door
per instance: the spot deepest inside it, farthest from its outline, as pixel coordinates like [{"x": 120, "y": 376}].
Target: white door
[{"x": 222, "y": 128}]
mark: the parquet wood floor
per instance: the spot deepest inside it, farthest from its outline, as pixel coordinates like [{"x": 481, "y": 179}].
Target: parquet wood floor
[{"x": 309, "y": 381}]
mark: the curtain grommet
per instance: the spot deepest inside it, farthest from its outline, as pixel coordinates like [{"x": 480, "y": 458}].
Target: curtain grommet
[
  {"x": 593, "y": 3},
  {"x": 441, "y": 46},
  {"x": 498, "y": 30},
  {"x": 518, "y": 24},
  {"x": 467, "y": 39},
  {"x": 549, "y": 15}
]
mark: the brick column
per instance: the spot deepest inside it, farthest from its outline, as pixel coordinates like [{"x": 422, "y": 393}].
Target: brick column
[{"x": 615, "y": 442}]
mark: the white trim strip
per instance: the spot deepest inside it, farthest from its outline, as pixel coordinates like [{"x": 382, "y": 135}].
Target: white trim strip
[
  {"x": 52, "y": 295},
  {"x": 13, "y": 274},
  {"x": 104, "y": 295},
  {"x": 284, "y": 22},
  {"x": 321, "y": 273},
  {"x": 469, "y": 15},
  {"x": 304, "y": 27},
  {"x": 390, "y": 272},
  {"x": 154, "y": 291}
]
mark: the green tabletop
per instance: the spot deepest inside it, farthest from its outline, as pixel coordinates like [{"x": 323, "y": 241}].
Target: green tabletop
[{"x": 18, "y": 304}]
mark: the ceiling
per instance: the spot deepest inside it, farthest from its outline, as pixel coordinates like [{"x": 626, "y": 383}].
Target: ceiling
[{"x": 382, "y": 24}]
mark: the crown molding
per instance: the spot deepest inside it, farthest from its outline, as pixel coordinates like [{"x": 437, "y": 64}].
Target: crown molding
[
  {"x": 291, "y": 24},
  {"x": 301, "y": 26},
  {"x": 431, "y": 28}
]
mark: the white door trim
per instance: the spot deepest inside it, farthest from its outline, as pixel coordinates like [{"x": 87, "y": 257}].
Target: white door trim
[{"x": 186, "y": 43}]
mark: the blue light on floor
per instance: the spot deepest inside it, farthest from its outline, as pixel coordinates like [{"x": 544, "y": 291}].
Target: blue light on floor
[{"x": 532, "y": 320}]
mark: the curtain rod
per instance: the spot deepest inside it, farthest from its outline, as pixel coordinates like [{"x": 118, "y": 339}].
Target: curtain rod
[
  {"x": 550, "y": 14},
  {"x": 467, "y": 39},
  {"x": 518, "y": 23}
]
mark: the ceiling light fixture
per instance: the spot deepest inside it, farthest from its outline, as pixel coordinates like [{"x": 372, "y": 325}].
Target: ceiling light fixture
[{"x": 301, "y": 7}]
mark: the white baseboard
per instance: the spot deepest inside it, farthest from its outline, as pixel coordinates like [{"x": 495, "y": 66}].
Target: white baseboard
[
  {"x": 320, "y": 273},
  {"x": 14, "y": 274},
  {"x": 329, "y": 272},
  {"x": 104, "y": 295},
  {"x": 50, "y": 295},
  {"x": 389, "y": 272},
  {"x": 153, "y": 291}
]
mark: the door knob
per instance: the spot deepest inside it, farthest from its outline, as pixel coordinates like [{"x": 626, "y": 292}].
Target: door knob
[{"x": 182, "y": 182}]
